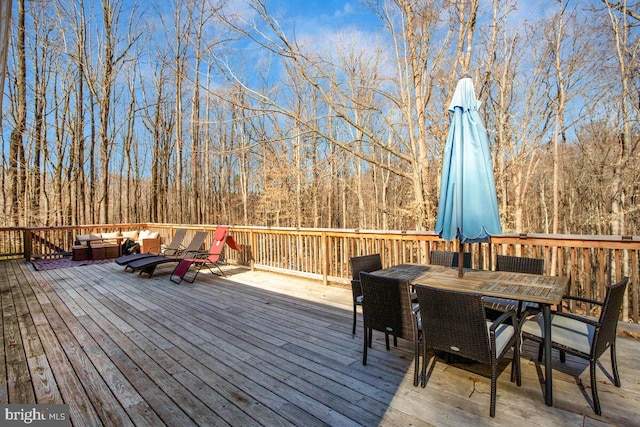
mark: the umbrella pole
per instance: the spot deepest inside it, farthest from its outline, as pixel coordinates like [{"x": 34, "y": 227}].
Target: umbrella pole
[{"x": 460, "y": 260}]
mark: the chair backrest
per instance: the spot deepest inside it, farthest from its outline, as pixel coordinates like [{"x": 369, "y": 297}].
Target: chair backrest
[
  {"x": 518, "y": 264},
  {"x": 605, "y": 335},
  {"x": 454, "y": 322},
  {"x": 196, "y": 243},
  {"x": 449, "y": 259},
  {"x": 387, "y": 306},
  {"x": 176, "y": 242},
  {"x": 366, "y": 263},
  {"x": 219, "y": 239}
]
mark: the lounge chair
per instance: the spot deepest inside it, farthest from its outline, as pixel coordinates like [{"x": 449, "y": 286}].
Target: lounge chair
[
  {"x": 202, "y": 259},
  {"x": 172, "y": 249},
  {"x": 148, "y": 265}
]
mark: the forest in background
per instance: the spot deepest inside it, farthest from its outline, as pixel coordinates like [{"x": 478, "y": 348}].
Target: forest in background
[{"x": 228, "y": 112}]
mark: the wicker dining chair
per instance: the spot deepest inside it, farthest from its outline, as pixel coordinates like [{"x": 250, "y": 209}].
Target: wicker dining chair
[
  {"x": 387, "y": 307},
  {"x": 455, "y": 322},
  {"x": 367, "y": 263},
  {"x": 582, "y": 336},
  {"x": 449, "y": 259},
  {"x": 515, "y": 264}
]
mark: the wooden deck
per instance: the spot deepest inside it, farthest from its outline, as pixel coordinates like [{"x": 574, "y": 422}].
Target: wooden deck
[{"x": 254, "y": 348}]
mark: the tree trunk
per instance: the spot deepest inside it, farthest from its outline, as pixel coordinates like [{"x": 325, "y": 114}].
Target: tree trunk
[{"x": 16, "y": 147}]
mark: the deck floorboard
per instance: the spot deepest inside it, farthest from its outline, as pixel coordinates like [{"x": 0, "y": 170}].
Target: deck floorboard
[{"x": 254, "y": 348}]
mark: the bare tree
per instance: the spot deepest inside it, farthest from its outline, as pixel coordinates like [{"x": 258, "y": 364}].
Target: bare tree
[
  {"x": 103, "y": 76},
  {"x": 623, "y": 22},
  {"x": 409, "y": 141},
  {"x": 626, "y": 48},
  {"x": 75, "y": 20},
  {"x": 126, "y": 206},
  {"x": 16, "y": 170},
  {"x": 180, "y": 29},
  {"x": 5, "y": 25},
  {"x": 159, "y": 119}
]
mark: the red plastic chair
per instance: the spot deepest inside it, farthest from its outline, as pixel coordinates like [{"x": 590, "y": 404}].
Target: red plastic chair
[{"x": 205, "y": 259}]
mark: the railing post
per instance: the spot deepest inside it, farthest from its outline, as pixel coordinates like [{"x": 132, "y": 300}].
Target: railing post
[
  {"x": 325, "y": 258},
  {"x": 253, "y": 255},
  {"x": 634, "y": 285},
  {"x": 27, "y": 239}
]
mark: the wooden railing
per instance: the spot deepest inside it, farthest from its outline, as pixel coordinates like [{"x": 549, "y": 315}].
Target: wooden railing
[
  {"x": 323, "y": 254},
  {"x": 11, "y": 243}
]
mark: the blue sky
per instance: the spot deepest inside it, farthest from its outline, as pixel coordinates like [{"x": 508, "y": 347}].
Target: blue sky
[
  {"x": 309, "y": 14},
  {"x": 339, "y": 13},
  {"x": 322, "y": 10},
  {"x": 318, "y": 19}
]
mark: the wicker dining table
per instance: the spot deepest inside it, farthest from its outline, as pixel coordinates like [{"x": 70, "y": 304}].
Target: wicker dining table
[{"x": 544, "y": 290}]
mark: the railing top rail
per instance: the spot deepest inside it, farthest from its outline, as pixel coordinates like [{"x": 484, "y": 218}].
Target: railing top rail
[
  {"x": 575, "y": 240},
  {"x": 71, "y": 227},
  {"x": 605, "y": 241},
  {"x": 630, "y": 241}
]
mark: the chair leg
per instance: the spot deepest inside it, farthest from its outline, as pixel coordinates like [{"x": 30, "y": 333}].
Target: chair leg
[
  {"x": 370, "y": 332},
  {"x": 193, "y": 279},
  {"x": 614, "y": 366},
  {"x": 594, "y": 387},
  {"x": 425, "y": 361},
  {"x": 416, "y": 368},
  {"x": 519, "y": 377},
  {"x": 516, "y": 367},
  {"x": 386, "y": 339},
  {"x": 200, "y": 266},
  {"x": 366, "y": 344},
  {"x": 494, "y": 374},
  {"x": 147, "y": 270},
  {"x": 219, "y": 269},
  {"x": 353, "y": 332}
]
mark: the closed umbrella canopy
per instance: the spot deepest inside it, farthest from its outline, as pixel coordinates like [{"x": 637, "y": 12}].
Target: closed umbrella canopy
[{"x": 468, "y": 206}]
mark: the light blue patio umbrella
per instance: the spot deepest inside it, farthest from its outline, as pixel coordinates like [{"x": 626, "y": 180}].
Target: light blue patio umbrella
[{"x": 468, "y": 206}]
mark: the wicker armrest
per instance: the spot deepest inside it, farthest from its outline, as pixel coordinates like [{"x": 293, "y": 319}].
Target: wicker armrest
[
  {"x": 511, "y": 314},
  {"x": 584, "y": 319},
  {"x": 578, "y": 299},
  {"x": 356, "y": 288},
  {"x": 582, "y": 299}
]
